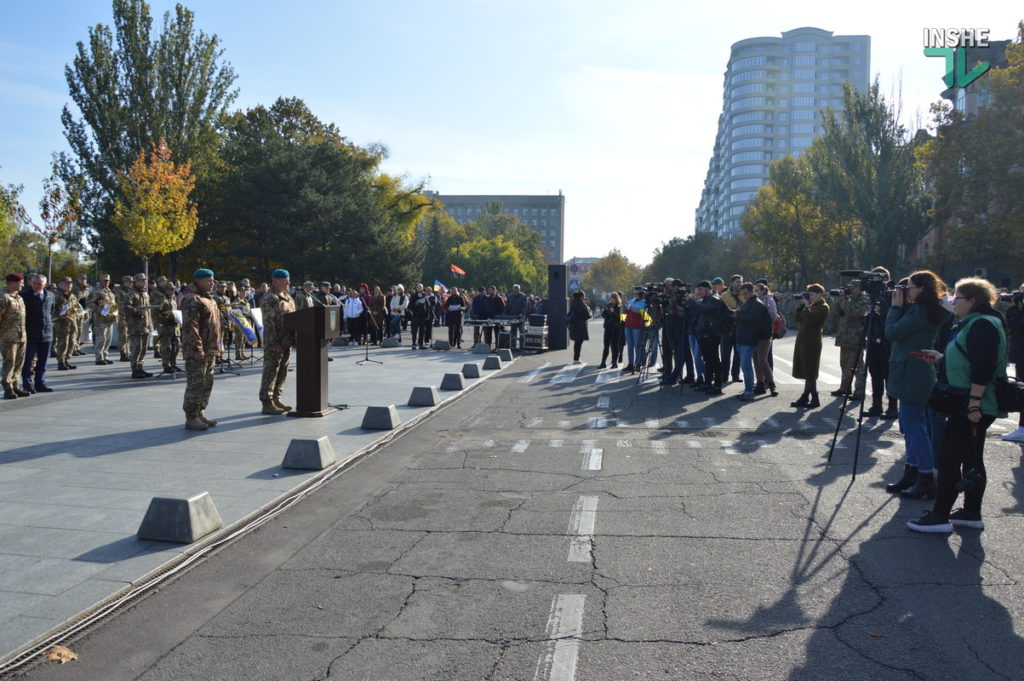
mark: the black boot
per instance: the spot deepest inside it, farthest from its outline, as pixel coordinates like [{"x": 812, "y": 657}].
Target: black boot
[
  {"x": 772, "y": 391},
  {"x": 924, "y": 487},
  {"x": 906, "y": 482},
  {"x": 815, "y": 402},
  {"x": 759, "y": 389},
  {"x": 875, "y": 410},
  {"x": 893, "y": 412},
  {"x": 802, "y": 402}
]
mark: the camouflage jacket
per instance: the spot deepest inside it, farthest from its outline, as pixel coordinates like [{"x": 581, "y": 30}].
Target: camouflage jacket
[
  {"x": 200, "y": 328},
  {"x": 156, "y": 296},
  {"x": 166, "y": 321},
  {"x": 100, "y": 298},
  {"x": 12, "y": 318},
  {"x": 65, "y": 307},
  {"x": 81, "y": 293},
  {"x": 136, "y": 313},
  {"x": 851, "y": 320},
  {"x": 275, "y": 306}
]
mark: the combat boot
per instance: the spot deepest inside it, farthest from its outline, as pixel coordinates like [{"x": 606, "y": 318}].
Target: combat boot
[
  {"x": 195, "y": 423},
  {"x": 10, "y": 394},
  {"x": 209, "y": 422},
  {"x": 281, "y": 405},
  {"x": 270, "y": 409}
]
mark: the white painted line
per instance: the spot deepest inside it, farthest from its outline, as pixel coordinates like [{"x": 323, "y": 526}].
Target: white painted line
[
  {"x": 488, "y": 443},
  {"x": 562, "y": 648},
  {"x": 592, "y": 459},
  {"x": 710, "y": 421},
  {"x": 603, "y": 402},
  {"x": 658, "y": 446},
  {"x": 609, "y": 376},
  {"x": 533, "y": 374},
  {"x": 651, "y": 423},
  {"x": 521, "y": 446},
  {"x": 587, "y": 444},
  {"x": 682, "y": 424},
  {"x": 568, "y": 373},
  {"x": 563, "y": 424},
  {"x": 555, "y": 444},
  {"x": 824, "y": 377},
  {"x": 581, "y": 529},
  {"x": 693, "y": 443},
  {"x": 597, "y": 422},
  {"x": 621, "y": 423},
  {"x": 741, "y": 423},
  {"x": 452, "y": 448},
  {"x": 534, "y": 422},
  {"x": 625, "y": 444}
]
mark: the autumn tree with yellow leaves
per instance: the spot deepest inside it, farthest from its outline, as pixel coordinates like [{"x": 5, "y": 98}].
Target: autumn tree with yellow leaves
[{"x": 155, "y": 216}]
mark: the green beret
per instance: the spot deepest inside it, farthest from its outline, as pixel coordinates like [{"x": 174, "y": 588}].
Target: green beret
[
  {"x": 280, "y": 274},
  {"x": 717, "y": 280},
  {"x": 202, "y": 273}
]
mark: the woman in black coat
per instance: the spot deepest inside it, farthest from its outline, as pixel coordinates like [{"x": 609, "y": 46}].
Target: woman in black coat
[
  {"x": 453, "y": 307},
  {"x": 612, "y": 314},
  {"x": 579, "y": 314}
]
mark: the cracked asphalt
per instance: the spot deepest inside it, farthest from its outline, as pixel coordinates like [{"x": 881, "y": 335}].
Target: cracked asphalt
[{"x": 721, "y": 545}]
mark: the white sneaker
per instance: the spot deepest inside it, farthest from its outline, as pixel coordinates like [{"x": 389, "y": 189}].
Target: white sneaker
[{"x": 1015, "y": 436}]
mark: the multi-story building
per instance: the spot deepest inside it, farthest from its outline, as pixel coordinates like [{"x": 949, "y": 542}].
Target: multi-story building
[
  {"x": 775, "y": 90},
  {"x": 545, "y": 214}
]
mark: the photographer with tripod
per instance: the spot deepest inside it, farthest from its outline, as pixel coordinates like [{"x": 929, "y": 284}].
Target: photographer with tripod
[
  {"x": 877, "y": 355},
  {"x": 853, "y": 309}
]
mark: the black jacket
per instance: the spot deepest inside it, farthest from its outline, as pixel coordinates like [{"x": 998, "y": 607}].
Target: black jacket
[
  {"x": 579, "y": 313},
  {"x": 712, "y": 315},
  {"x": 1015, "y": 323},
  {"x": 612, "y": 317},
  {"x": 38, "y": 316},
  {"x": 753, "y": 322}
]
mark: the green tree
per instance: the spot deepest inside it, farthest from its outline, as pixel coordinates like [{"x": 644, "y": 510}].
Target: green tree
[
  {"x": 497, "y": 261},
  {"x": 132, "y": 91},
  {"x": 613, "y": 272},
  {"x": 58, "y": 210},
  {"x": 440, "y": 234}
]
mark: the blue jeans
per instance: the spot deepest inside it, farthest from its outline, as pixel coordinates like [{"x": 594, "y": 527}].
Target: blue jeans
[
  {"x": 698, "y": 360},
  {"x": 632, "y": 344},
  {"x": 395, "y": 326},
  {"x": 922, "y": 435},
  {"x": 746, "y": 353}
]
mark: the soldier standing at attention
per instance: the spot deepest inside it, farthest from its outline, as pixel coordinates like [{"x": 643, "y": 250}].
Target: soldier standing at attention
[
  {"x": 140, "y": 325},
  {"x": 277, "y": 342},
  {"x": 200, "y": 346},
  {"x": 156, "y": 299},
  {"x": 853, "y": 310},
  {"x": 168, "y": 328},
  {"x": 242, "y": 306},
  {"x": 82, "y": 291},
  {"x": 12, "y": 336},
  {"x": 122, "y": 316},
  {"x": 103, "y": 308},
  {"x": 65, "y": 327}
]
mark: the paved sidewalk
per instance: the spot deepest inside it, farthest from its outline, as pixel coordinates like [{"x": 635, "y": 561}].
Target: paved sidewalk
[{"x": 78, "y": 468}]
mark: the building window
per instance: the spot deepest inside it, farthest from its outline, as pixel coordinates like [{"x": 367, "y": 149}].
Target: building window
[
  {"x": 748, "y": 130},
  {"x": 554, "y": 211},
  {"x": 543, "y": 223},
  {"x": 543, "y": 212},
  {"x": 804, "y": 74},
  {"x": 534, "y": 223},
  {"x": 748, "y": 102},
  {"x": 803, "y": 61},
  {"x": 803, "y": 115},
  {"x": 803, "y": 87},
  {"x": 747, "y": 89},
  {"x": 804, "y": 47},
  {"x": 803, "y": 101},
  {"x": 802, "y": 141},
  {"x": 748, "y": 61},
  {"x": 535, "y": 214},
  {"x": 749, "y": 75}
]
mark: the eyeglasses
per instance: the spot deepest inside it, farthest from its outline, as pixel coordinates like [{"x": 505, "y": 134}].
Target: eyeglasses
[{"x": 956, "y": 298}]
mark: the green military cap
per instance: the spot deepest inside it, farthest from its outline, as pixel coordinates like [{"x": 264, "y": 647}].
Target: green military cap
[
  {"x": 141, "y": 277},
  {"x": 83, "y": 275},
  {"x": 161, "y": 279},
  {"x": 64, "y": 280},
  {"x": 126, "y": 277},
  {"x": 717, "y": 280},
  {"x": 325, "y": 283},
  {"x": 166, "y": 284},
  {"x": 307, "y": 283},
  {"x": 104, "y": 277}
]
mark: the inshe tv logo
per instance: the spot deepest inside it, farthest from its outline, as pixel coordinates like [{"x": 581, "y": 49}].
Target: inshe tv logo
[{"x": 943, "y": 42}]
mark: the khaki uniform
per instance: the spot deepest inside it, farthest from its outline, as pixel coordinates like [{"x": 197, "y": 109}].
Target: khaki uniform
[
  {"x": 100, "y": 300},
  {"x": 241, "y": 307},
  {"x": 12, "y": 338},
  {"x": 65, "y": 325},
  {"x": 169, "y": 331},
  {"x": 200, "y": 346},
  {"x": 139, "y": 324},
  {"x": 848, "y": 338},
  {"x": 81, "y": 293},
  {"x": 277, "y": 343},
  {"x": 122, "y": 321},
  {"x": 156, "y": 297}
]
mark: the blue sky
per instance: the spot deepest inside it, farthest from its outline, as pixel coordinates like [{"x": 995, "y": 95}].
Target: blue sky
[{"x": 614, "y": 103}]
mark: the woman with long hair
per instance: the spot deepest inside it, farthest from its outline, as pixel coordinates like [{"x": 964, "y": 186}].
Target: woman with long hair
[
  {"x": 454, "y": 305},
  {"x": 763, "y": 370},
  {"x": 912, "y": 325},
  {"x": 579, "y": 314},
  {"x": 612, "y": 314},
  {"x": 811, "y": 313},
  {"x": 974, "y": 359},
  {"x": 636, "y": 318}
]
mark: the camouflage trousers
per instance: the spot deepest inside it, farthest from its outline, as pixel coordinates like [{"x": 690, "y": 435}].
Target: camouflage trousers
[
  {"x": 122, "y": 337},
  {"x": 168, "y": 344},
  {"x": 198, "y": 384},
  {"x": 76, "y": 335},
  {"x": 847, "y": 357},
  {"x": 13, "y": 355},
  {"x": 102, "y": 333},
  {"x": 64, "y": 339},
  {"x": 275, "y": 371},
  {"x": 137, "y": 349}
]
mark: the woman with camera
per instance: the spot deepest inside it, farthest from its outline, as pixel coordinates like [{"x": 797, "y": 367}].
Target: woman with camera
[
  {"x": 612, "y": 314},
  {"x": 1015, "y": 321},
  {"x": 974, "y": 359},
  {"x": 912, "y": 325},
  {"x": 811, "y": 313}
]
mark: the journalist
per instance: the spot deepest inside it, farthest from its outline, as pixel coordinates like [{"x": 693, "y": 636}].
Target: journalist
[
  {"x": 877, "y": 354},
  {"x": 853, "y": 310},
  {"x": 1015, "y": 322},
  {"x": 636, "y": 319},
  {"x": 811, "y": 313},
  {"x": 912, "y": 326},
  {"x": 753, "y": 324},
  {"x": 692, "y": 317},
  {"x": 763, "y": 366},
  {"x": 579, "y": 315},
  {"x": 612, "y": 315},
  {"x": 732, "y": 299},
  {"x": 715, "y": 321},
  {"x": 974, "y": 358}
]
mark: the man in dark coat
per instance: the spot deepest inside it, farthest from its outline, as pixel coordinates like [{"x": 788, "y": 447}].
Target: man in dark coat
[
  {"x": 1015, "y": 322},
  {"x": 39, "y": 334}
]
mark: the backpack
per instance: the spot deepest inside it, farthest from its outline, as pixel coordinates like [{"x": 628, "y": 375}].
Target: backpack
[{"x": 779, "y": 326}]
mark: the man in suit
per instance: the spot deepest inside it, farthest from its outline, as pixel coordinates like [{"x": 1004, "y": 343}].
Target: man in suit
[{"x": 38, "y": 333}]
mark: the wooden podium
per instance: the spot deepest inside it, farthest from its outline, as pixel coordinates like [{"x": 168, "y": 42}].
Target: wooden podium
[{"x": 314, "y": 328}]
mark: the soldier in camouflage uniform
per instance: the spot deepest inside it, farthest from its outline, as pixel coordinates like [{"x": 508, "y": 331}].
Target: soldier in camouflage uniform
[
  {"x": 853, "y": 309},
  {"x": 12, "y": 336},
  {"x": 277, "y": 342},
  {"x": 82, "y": 291},
  {"x": 241, "y": 307},
  {"x": 65, "y": 326},
  {"x": 122, "y": 316},
  {"x": 102, "y": 299},
  {"x": 220, "y": 297},
  {"x": 200, "y": 346},
  {"x": 156, "y": 299},
  {"x": 140, "y": 325},
  {"x": 169, "y": 329}
]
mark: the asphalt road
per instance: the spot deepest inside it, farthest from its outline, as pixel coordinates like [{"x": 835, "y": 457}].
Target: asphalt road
[{"x": 564, "y": 523}]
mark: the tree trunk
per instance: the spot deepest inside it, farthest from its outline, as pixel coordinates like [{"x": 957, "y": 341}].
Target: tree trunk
[{"x": 49, "y": 261}]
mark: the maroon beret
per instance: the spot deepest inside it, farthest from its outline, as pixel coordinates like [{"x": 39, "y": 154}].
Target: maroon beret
[{"x": 15, "y": 277}]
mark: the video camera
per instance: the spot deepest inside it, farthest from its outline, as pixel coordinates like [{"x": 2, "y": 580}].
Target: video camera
[
  {"x": 840, "y": 292},
  {"x": 872, "y": 283},
  {"x": 1016, "y": 297}
]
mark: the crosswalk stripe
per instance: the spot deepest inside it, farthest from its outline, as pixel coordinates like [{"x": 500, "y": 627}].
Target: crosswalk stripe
[
  {"x": 521, "y": 446},
  {"x": 568, "y": 373},
  {"x": 533, "y": 374},
  {"x": 626, "y": 444},
  {"x": 609, "y": 376},
  {"x": 555, "y": 444},
  {"x": 592, "y": 459},
  {"x": 534, "y": 422},
  {"x": 651, "y": 423},
  {"x": 581, "y": 529},
  {"x": 562, "y": 647},
  {"x": 603, "y": 402}
]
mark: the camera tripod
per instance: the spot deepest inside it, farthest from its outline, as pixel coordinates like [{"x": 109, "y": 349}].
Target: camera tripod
[
  {"x": 378, "y": 334},
  {"x": 648, "y": 351},
  {"x": 862, "y": 348}
]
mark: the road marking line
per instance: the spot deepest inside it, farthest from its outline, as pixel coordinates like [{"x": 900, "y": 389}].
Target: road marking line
[
  {"x": 651, "y": 423},
  {"x": 534, "y": 422},
  {"x": 603, "y": 402},
  {"x": 682, "y": 424},
  {"x": 693, "y": 443},
  {"x": 488, "y": 443},
  {"x": 555, "y": 444},
  {"x": 581, "y": 529},
  {"x": 824, "y": 377},
  {"x": 597, "y": 422},
  {"x": 533, "y": 374},
  {"x": 609, "y": 376},
  {"x": 592, "y": 459},
  {"x": 587, "y": 444},
  {"x": 627, "y": 444},
  {"x": 742, "y": 423},
  {"x": 658, "y": 446},
  {"x": 565, "y": 626},
  {"x": 621, "y": 423},
  {"x": 568, "y": 373},
  {"x": 521, "y": 446},
  {"x": 563, "y": 424}
]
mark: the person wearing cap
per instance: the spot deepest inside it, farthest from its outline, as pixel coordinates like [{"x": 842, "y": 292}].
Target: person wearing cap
[
  {"x": 38, "y": 334},
  {"x": 244, "y": 312},
  {"x": 306, "y": 297},
  {"x": 82, "y": 291},
  {"x": 12, "y": 336},
  {"x": 140, "y": 324},
  {"x": 102, "y": 306},
  {"x": 122, "y": 316},
  {"x": 200, "y": 347},
  {"x": 220, "y": 297},
  {"x": 278, "y": 342},
  {"x": 168, "y": 329},
  {"x": 65, "y": 328},
  {"x": 853, "y": 310},
  {"x": 325, "y": 296}
]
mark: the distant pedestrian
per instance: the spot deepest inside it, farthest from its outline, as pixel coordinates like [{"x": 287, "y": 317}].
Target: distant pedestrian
[
  {"x": 38, "y": 335},
  {"x": 579, "y": 314},
  {"x": 200, "y": 346},
  {"x": 636, "y": 319}
]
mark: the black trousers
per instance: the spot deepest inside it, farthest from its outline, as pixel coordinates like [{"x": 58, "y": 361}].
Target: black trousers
[
  {"x": 710, "y": 351},
  {"x": 577, "y": 345},
  {"x": 961, "y": 449},
  {"x": 420, "y": 330},
  {"x": 611, "y": 345},
  {"x": 453, "y": 320}
]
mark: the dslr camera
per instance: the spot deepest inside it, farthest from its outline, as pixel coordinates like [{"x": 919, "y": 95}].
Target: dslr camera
[
  {"x": 806, "y": 295},
  {"x": 1014, "y": 298},
  {"x": 872, "y": 283}
]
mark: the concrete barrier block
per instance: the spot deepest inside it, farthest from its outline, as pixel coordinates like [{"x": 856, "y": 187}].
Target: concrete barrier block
[
  {"x": 492, "y": 362},
  {"x": 453, "y": 382},
  {"x": 181, "y": 521},
  {"x": 471, "y": 370},
  {"x": 481, "y": 349},
  {"x": 424, "y": 396},
  {"x": 313, "y": 455},
  {"x": 442, "y": 345},
  {"x": 505, "y": 355},
  {"x": 381, "y": 418},
  {"x": 389, "y": 342}
]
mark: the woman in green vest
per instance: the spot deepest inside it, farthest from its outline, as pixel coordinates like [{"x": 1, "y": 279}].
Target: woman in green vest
[{"x": 975, "y": 358}]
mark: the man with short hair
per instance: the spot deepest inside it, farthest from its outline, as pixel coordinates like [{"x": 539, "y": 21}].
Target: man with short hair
[
  {"x": 713, "y": 313},
  {"x": 38, "y": 335},
  {"x": 140, "y": 324},
  {"x": 200, "y": 346},
  {"x": 732, "y": 299},
  {"x": 169, "y": 329},
  {"x": 277, "y": 343},
  {"x": 82, "y": 291},
  {"x": 65, "y": 328},
  {"x": 103, "y": 310},
  {"x": 493, "y": 306},
  {"x": 306, "y": 297},
  {"x": 12, "y": 336},
  {"x": 260, "y": 292},
  {"x": 122, "y": 317}
]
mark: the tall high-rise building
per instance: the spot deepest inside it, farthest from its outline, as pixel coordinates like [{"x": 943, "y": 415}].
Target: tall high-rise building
[{"x": 775, "y": 89}]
